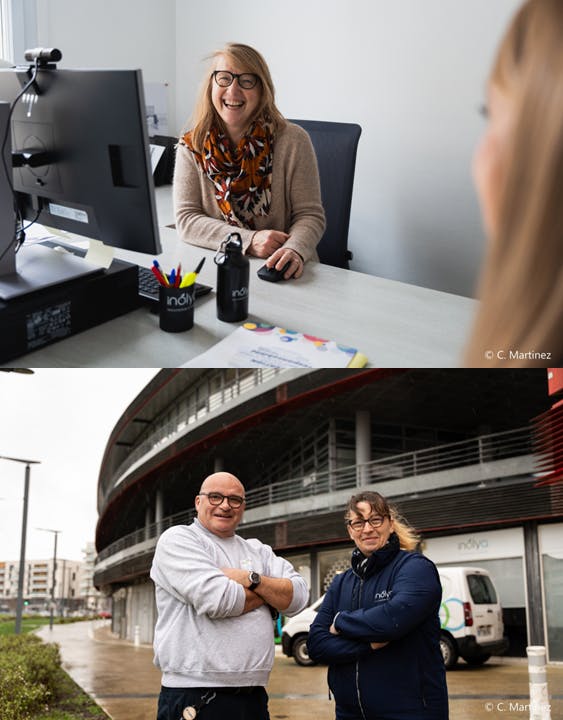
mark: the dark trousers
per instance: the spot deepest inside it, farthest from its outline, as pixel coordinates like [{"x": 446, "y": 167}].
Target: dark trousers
[{"x": 231, "y": 703}]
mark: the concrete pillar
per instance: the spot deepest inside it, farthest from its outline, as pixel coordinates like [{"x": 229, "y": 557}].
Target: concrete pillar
[
  {"x": 148, "y": 519},
  {"x": 534, "y": 601},
  {"x": 332, "y": 460},
  {"x": 314, "y": 564},
  {"x": 158, "y": 510},
  {"x": 363, "y": 446}
]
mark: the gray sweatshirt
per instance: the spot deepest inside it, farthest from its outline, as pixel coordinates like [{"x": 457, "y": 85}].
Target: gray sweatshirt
[{"x": 201, "y": 638}]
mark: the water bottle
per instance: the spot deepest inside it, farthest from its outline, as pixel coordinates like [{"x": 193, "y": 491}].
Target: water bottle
[{"x": 233, "y": 270}]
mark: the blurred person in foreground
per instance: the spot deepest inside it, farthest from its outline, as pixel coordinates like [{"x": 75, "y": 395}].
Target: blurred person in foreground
[
  {"x": 378, "y": 626},
  {"x": 216, "y": 594},
  {"x": 518, "y": 172}
]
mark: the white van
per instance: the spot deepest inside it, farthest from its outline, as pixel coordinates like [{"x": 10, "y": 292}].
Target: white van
[{"x": 470, "y": 616}]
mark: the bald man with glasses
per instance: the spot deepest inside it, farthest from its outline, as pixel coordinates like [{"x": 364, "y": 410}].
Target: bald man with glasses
[{"x": 216, "y": 595}]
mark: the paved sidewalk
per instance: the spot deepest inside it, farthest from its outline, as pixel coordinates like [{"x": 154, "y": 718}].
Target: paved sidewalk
[{"x": 123, "y": 680}]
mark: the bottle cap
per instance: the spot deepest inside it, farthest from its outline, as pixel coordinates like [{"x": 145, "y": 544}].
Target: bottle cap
[{"x": 233, "y": 243}]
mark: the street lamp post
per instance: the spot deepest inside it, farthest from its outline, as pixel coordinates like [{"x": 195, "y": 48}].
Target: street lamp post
[
  {"x": 56, "y": 534},
  {"x": 19, "y": 602}
]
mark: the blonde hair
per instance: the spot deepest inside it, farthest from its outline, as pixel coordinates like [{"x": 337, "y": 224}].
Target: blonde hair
[
  {"x": 247, "y": 60},
  {"x": 409, "y": 539},
  {"x": 521, "y": 283}
]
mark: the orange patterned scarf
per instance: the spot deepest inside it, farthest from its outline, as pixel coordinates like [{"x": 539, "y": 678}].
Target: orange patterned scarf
[{"x": 241, "y": 175}]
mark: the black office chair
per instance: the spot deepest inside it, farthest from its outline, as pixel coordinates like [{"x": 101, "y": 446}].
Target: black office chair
[
  {"x": 164, "y": 171},
  {"x": 335, "y": 146}
]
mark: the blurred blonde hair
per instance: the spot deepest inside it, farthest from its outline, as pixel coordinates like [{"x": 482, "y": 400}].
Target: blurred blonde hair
[
  {"x": 521, "y": 282},
  {"x": 247, "y": 60},
  {"x": 409, "y": 539}
]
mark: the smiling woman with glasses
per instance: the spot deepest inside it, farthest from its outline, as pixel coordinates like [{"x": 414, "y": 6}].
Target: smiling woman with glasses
[
  {"x": 243, "y": 166},
  {"x": 378, "y": 627}
]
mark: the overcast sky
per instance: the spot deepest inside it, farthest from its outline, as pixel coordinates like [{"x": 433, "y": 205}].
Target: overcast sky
[{"x": 62, "y": 417}]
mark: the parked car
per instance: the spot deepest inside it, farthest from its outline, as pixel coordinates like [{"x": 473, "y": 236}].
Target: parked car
[
  {"x": 295, "y": 633},
  {"x": 470, "y": 618}
]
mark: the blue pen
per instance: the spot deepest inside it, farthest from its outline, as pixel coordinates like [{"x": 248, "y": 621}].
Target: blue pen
[
  {"x": 163, "y": 274},
  {"x": 172, "y": 277}
]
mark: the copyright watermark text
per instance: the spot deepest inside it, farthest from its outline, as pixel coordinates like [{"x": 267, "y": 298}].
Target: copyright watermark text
[
  {"x": 516, "y": 355},
  {"x": 514, "y": 706}
]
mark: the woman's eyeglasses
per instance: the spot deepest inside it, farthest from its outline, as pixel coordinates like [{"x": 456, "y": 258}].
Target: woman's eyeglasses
[
  {"x": 357, "y": 525},
  {"x": 224, "y": 78}
]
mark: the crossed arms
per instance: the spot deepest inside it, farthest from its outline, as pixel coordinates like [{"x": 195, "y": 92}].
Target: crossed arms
[{"x": 277, "y": 592}]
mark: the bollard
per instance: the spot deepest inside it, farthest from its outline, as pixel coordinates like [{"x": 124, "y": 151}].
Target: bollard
[
  {"x": 137, "y": 636},
  {"x": 539, "y": 699}
]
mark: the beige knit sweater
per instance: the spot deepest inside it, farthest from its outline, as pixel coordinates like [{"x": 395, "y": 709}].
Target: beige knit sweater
[{"x": 296, "y": 198}]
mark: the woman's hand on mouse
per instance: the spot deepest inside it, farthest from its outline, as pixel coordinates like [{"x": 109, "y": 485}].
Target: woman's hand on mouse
[{"x": 280, "y": 257}]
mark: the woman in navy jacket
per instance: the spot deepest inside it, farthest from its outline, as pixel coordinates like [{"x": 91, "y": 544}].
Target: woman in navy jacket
[{"x": 378, "y": 626}]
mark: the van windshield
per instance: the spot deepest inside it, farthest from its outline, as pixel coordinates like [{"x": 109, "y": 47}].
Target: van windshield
[{"x": 482, "y": 590}]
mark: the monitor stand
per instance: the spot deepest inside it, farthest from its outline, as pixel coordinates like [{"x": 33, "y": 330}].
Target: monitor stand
[
  {"x": 35, "y": 267},
  {"x": 40, "y": 267}
]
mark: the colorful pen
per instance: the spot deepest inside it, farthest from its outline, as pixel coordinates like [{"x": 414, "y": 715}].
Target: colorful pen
[
  {"x": 190, "y": 278},
  {"x": 178, "y": 275},
  {"x": 161, "y": 275}
]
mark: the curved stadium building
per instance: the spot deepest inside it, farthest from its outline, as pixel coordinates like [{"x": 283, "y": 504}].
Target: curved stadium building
[{"x": 453, "y": 449}]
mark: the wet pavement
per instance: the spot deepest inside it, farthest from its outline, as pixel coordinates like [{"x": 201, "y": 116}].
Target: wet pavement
[{"x": 123, "y": 680}]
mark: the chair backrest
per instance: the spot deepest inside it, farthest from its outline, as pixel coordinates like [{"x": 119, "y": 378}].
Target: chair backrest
[{"x": 335, "y": 146}]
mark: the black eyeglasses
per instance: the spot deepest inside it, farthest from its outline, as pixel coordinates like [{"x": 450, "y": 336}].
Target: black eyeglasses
[
  {"x": 357, "y": 525},
  {"x": 224, "y": 78},
  {"x": 215, "y": 498}
]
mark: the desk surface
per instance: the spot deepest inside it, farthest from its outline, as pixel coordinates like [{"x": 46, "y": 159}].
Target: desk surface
[{"x": 394, "y": 324}]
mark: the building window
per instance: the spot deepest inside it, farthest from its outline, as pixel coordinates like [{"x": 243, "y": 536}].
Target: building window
[
  {"x": 331, "y": 563},
  {"x": 553, "y": 584}
]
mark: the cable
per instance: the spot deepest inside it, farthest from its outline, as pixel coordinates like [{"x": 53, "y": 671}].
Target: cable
[{"x": 19, "y": 235}]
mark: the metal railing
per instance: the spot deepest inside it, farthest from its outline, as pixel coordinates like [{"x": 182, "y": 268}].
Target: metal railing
[
  {"x": 476, "y": 451},
  {"x": 195, "y": 405}
]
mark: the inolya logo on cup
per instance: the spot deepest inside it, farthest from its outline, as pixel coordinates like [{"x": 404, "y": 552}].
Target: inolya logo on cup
[{"x": 181, "y": 300}]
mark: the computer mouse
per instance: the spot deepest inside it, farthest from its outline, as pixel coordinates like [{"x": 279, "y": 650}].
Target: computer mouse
[{"x": 271, "y": 274}]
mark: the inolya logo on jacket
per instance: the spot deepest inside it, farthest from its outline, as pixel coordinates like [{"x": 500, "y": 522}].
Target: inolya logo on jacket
[{"x": 383, "y": 595}]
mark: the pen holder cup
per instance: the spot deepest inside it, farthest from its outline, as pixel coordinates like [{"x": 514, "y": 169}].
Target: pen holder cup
[{"x": 176, "y": 308}]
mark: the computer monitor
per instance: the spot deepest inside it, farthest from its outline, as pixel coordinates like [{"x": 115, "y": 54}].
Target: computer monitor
[{"x": 82, "y": 164}]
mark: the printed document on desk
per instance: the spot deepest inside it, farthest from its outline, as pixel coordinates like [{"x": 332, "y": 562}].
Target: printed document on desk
[{"x": 264, "y": 345}]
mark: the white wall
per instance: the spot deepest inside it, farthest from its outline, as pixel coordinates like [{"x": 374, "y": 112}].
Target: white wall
[
  {"x": 113, "y": 34},
  {"x": 412, "y": 73}
]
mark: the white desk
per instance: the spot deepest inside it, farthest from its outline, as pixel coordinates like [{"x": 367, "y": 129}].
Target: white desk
[{"x": 394, "y": 324}]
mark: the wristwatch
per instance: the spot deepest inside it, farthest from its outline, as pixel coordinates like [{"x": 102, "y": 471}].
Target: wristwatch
[{"x": 254, "y": 579}]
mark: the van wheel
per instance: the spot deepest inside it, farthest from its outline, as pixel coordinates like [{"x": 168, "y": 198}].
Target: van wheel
[
  {"x": 477, "y": 659},
  {"x": 300, "y": 652},
  {"x": 449, "y": 651}
]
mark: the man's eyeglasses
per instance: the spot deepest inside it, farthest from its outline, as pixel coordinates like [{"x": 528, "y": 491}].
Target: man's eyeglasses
[
  {"x": 357, "y": 525},
  {"x": 215, "y": 498},
  {"x": 224, "y": 78}
]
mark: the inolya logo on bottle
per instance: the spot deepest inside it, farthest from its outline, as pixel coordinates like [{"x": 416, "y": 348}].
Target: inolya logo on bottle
[
  {"x": 240, "y": 294},
  {"x": 177, "y": 302}
]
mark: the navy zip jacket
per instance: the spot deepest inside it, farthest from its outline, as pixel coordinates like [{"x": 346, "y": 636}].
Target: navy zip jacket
[{"x": 391, "y": 596}]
